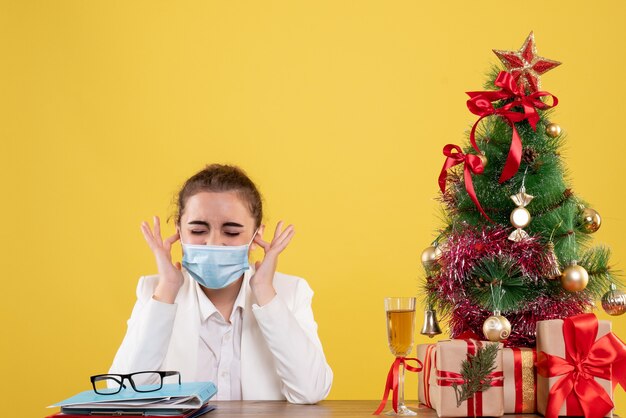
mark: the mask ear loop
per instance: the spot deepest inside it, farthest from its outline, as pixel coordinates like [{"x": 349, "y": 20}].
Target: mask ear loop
[
  {"x": 180, "y": 236},
  {"x": 250, "y": 243},
  {"x": 253, "y": 236}
]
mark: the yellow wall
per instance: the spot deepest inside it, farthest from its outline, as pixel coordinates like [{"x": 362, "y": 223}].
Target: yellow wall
[{"x": 338, "y": 110}]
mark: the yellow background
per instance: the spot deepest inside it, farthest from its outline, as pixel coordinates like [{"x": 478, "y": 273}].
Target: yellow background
[{"x": 337, "y": 109}]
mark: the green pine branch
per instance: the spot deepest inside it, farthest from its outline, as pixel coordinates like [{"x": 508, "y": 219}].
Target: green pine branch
[
  {"x": 601, "y": 275},
  {"x": 475, "y": 372},
  {"x": 503, "y": 273}
]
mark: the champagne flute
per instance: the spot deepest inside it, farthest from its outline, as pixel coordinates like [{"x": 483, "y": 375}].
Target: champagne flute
[{"x": 400, "y": 329}]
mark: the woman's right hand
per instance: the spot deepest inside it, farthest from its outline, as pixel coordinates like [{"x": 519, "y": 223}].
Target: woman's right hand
[{"x": 170, "y": 276}]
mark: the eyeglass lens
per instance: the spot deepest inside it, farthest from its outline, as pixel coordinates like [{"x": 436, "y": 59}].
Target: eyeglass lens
[{"x": 107, "y": 384}]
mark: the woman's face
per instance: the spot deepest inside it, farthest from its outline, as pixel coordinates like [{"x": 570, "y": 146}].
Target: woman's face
[{"x": 216, "y": 218}]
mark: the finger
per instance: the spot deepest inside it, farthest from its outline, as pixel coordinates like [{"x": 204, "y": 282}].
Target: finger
[
  {"x": 263, "y": 244},
  {"x": 145, "y": 227},
  {"x": 285, "y": 232},
  {"x": 257, "y": 264},
  {"x": 258, "y": 239},
  {"x": 147, "y": 234},
  {"x": 172, "y": 239},
  {"x": 157, "y": 228},
  {"x": 283, "y": 235},
  {"x": 279, "y": 225},
  {"x": 280, "y": 246}
]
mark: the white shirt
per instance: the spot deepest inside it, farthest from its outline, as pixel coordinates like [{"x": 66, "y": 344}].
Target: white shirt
[
  {"x": 219, "y": 346},
  {"x": 281, "y": 354}
]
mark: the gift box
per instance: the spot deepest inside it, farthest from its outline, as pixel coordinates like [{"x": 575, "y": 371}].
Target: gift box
[
  {"x": 427, "y": 379},
  {"x": 449, "y": 355},
  {"x": 520, "y": 390},
  {"x": 574, "y": 366}
]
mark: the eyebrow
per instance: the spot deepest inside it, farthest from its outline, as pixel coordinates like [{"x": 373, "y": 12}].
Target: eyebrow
[
  {"x": 235, "y": 224},
  {"x": 198, "y": 223}
]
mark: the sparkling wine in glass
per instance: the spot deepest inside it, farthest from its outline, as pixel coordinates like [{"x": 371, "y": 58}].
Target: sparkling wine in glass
[{"x": 400, "y": 329}]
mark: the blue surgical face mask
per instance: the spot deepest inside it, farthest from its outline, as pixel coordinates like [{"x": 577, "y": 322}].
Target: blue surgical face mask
[{"x": 216, "y": 266}]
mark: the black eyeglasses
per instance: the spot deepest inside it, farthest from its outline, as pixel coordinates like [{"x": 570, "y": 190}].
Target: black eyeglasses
[{"x": 110, "y": 384}]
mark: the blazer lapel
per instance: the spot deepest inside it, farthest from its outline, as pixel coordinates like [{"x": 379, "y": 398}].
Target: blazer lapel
[
  {"x": 248, "y": 328},
  {"x": 183, "y": 352},
  {"x": 258, "y": 372}
]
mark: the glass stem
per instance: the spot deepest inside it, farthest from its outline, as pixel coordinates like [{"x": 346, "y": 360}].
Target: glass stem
[{"x": 401, "y": 387}]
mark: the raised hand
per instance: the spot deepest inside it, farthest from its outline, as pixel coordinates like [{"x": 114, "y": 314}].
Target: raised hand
[
  {"x": 170, "y": 276},
  {"x": 261, "y": 281}
]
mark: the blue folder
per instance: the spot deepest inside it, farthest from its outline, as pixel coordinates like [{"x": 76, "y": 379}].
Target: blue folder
[{"x": 170, "y": 396}]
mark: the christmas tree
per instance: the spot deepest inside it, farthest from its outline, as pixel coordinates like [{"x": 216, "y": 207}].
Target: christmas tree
[{"x": 516, "y": 245}]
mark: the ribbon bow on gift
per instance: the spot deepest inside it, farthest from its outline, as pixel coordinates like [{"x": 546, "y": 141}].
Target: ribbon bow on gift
[
  {"x": 472, "y": 164},
  {"x": 392, "y": 381},
  {"x": 480, "y": 103},
  {"x": 585, "y": 359}
]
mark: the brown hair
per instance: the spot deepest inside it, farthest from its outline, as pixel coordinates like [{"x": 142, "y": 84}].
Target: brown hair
[{"x": 222, "y": 178}]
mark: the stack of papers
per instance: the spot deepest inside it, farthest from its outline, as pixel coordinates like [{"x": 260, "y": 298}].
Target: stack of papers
[{"x": 186, "y": 400}]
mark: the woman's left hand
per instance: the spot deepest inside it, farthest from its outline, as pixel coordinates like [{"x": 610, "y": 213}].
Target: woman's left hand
[{"x": 262, "y": 280}]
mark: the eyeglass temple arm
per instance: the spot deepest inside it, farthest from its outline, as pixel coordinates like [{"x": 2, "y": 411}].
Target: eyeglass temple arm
[{"x": 166, "y": 374}]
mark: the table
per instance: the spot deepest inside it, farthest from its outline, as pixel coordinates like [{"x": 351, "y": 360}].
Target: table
[{"x": 340, "y": 409}]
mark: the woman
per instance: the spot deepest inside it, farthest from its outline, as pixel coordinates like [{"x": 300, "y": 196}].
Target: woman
[{"x": 251, "y": 331}]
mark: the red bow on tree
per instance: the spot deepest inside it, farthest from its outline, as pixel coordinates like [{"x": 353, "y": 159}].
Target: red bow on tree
[
  {"x": 472, "y": 164},
  {"x": 585, "y": 359},
  {"x": 480, "y": 103}
]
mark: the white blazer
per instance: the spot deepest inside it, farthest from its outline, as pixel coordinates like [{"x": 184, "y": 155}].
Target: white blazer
[{"x": 281, "y": 354}]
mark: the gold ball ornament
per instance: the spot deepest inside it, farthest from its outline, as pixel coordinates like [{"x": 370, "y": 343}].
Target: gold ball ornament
[
  {"x": 574, "y": 278},
  {"x": 553, "y": 130},
  {"x": 520, "y": 217},
  {"x": 614, "y": 301},
  {"x": 496, "y": 328},
  {"x": 590, "y": 220},
  {"x": 483, "y": 160},
  {"x": 430, "y": 255}
]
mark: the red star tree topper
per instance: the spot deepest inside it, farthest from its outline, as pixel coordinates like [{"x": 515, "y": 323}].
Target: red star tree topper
[{"x": 525, "y": 65}]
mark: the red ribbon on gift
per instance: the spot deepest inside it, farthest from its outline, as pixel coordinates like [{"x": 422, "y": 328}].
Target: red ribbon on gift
[
  {"x": 392, "y": 381},
  {"x": 451, "y": 378},
  {"x": 481, "y": 104},
  {"x": 585, "y": 359},
  {"x": 472, "y": 164},
  {"x": 428, "y": 367},
  {"x": 519, "y": 380},
  {"x": 619, "y": 370}
]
